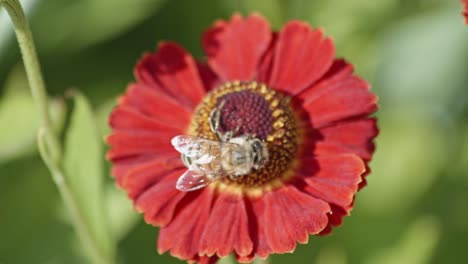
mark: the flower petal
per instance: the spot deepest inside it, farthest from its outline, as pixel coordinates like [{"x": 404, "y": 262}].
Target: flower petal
[
  {"x": 339, "y": 96},
  {"x": 172, "y": 71},
  {"x": 181, "y": 236},
  {"x": 228, "y": 228},
  {"x": 335, "y": 218},
  {"x": 127, "y": 143},
  {"x": 355, "y": 136},
  {"x": 234, "y": 48},
  {"x": 156, "y": 105},
  {"x": 208, "y": 77},
  {"x": 465, "y": 10},
  {"x": 333, "y": 179},
  {"x": 128, "y": 119},
  {"x": 266, "y": 64},
  {"x": 363, "y": 183},
  {"x": 290, "y": 216},
  {"x": 302, "y": 55},
  {"x": 122, "y": 166},
  {"x": 245, "y": 259},
  {"x": 158, "y": 203},
  {"x": 257, "y": 219},
  {"x": 140, "y": 178}
]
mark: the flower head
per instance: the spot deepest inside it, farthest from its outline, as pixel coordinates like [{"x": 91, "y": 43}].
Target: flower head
[{"x": 288, "y": 90}]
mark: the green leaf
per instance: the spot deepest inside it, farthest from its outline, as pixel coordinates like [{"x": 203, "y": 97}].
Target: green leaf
[
  {"x": 19, "y": 124},
  {"x": 19, "y": 120},
  {"x": 83, "y": 163},
  {"x": 102, "y": 115},
  {"x": 122, "y": 216}
]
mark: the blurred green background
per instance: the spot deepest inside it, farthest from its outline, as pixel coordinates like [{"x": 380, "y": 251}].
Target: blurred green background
[{"x": 414, "y": 53}]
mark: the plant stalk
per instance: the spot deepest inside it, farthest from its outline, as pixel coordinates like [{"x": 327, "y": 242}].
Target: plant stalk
[
  {"x": 33, "y": 72},
  {"x": 49, "y": 146}
]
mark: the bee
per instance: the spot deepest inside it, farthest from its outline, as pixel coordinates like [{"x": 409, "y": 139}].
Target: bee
[{"x": 209, "y": 160}]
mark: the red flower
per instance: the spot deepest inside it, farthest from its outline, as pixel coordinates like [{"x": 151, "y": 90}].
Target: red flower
[
  {"x": 288, "y": 89},
  {"x": 465, "y": 10}
]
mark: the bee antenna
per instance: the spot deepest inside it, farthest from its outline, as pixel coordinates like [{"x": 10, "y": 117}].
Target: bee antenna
[{"x": 221, "y": 105}]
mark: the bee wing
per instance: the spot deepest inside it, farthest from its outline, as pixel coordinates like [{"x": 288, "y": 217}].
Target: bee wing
[
  {"x": 204, "y": 159},
  {"x": 193, "y": 180},
  {"x": 190, "y": 145}
]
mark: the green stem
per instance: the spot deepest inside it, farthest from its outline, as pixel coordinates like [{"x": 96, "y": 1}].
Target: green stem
[
  {"x": 33, "y": 72},
  {"x": 48, "y": 142},
  {"x": 69, "y": 199}
]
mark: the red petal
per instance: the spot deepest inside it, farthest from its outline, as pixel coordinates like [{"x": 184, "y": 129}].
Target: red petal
[
  {"x": 266, "y": 65},
  {"x": 363, "y": 183},
  {"x": 172, "y": 71},
  {"x": 333, "y": 179},
  {"x": 245, "y": 259},
  {"x": 123, "y": 165},
  {"x": 257, "y": 220},
  {"x": 140, "y": 178},
  {"x": 128, "y": 119},
  {"x": 338, "y": 97},
  {"x": 465, "y": 10},
  {"x": 335, "y": 218},
  {"x": 159, "y": 202},
  {"x": 234, "y": 48},
  {"x": 209, "y": 78},
  {"x": 348, "y": 137},
  {"x": 126, "y": 143},
  {"x": 156, "y": 105},
  {"x": 290, "y": 216},
  {"x": 181, "y": 236},
  {"x": 229, "y": 229},
  {"x": 302, "y": 56}
]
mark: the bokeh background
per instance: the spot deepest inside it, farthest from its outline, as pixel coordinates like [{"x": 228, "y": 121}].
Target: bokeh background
[{"x": 414, "y": 53}]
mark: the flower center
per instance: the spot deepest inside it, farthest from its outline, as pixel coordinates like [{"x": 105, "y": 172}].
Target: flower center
[
  {"x": 251, "y": 108},
  {"x": 245, "y": 112}
]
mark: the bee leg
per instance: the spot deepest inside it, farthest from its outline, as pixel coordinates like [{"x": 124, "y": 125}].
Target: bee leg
[
  {"x": 254, "y": 137},
  {"x": 230, "y": 134},
  {"x": 215, "y": 119},
  {"x": 237, "y": 129}
]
